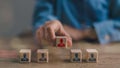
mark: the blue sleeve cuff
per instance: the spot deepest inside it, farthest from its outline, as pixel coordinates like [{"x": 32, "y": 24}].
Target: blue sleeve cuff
[{"x": 108, "y": 31}]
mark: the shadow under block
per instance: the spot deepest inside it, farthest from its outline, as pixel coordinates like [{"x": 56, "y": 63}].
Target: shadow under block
[
  {"x": 25, "y": 55},
  {"x": 75, "y": 55},
  {"x": 42, "y": 55},
  {"x": 91, "y": 55},
  {"x": 61, "y": 41}
]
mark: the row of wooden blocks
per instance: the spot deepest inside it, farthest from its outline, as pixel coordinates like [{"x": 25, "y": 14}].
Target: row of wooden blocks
[
  {"x": 75, "y": 55},
  {"x": 42, "y": 55},
  {"x": 91, "y": 55}
]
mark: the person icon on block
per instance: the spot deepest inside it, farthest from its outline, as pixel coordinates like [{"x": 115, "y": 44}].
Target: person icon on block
[
  {"x": 92, "y": 58},
  {"x": 61, "y": 44},
  {"x": 76, "y": 58},
  {"x": 24, "y": 57},
  {"x": 42, "y": 57}
]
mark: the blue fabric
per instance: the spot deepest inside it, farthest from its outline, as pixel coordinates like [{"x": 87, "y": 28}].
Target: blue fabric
[{"x": 103, "y": 15}]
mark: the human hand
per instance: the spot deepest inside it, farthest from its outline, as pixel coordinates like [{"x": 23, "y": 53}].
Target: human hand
[{"x": 50, "y": 30}]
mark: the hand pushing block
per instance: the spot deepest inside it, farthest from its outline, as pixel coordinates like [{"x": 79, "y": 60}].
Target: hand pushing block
[
  {"x": 25, "y": 55},
  {"x": 61, "y": 41},
  {"x": 42, "y": 55},
  {"x": 76, "y": 55},
  {"x": 91, "y": 55}
]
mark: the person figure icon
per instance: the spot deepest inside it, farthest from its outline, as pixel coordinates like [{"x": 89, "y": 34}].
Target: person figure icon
[
  {"x": 92, "y": 58},
  {"x": 61, "y": 44},
  {"x": 24, "y": 57},
  {"x": 76, "y": 58},
  {"x": 42, "y": 57}
]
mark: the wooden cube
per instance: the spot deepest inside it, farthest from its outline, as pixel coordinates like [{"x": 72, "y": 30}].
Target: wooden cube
[
  {"x": 91, "y": 55},
  {"x": 42, "y": 55},
  {"x": 61, "y": 41},
  {"x": 76, "y": 55},
  {"x": 25, "y": 55}
]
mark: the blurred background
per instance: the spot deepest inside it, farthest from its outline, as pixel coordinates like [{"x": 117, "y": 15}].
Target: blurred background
[
  {"x": 15, "y": 17},
  {"x": 16, "y": 20}
]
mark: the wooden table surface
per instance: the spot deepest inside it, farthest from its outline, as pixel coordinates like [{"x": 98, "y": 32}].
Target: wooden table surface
[{"x": 109, "y": 55}]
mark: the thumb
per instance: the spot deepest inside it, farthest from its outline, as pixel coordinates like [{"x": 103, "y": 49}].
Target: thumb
[{"x": 69, "y": 39}]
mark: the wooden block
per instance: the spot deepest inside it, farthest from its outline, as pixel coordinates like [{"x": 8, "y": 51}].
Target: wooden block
[
  {"x": 25, "y": 55},
  {"x": 61, "y": 41},
  {"x": 91, "y": 55},
  {"x": 42, "y": 55},
  {"x": 76, "y": 55}
]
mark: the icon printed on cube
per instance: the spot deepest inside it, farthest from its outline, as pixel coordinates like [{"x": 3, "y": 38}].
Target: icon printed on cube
[
  {"x": 76, "y": 55},
  {"x": 91, "y": 55},
  {"x": 42, "y": 55},
  {"x": 61, "y": 41},
  {"x": 25, "y": 55},
  {"x": 43, "y": 58},
  {"x": 92, "y": 58}
]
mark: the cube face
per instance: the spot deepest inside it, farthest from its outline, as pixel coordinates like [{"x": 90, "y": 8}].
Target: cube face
[
  {"x": 25, "y": 55},
  {"x": 42, "y": 55},
  {"x": 76, "y": 55},
  {"x": 92, "y": 56},
  {"x": 61, "y": 41}
]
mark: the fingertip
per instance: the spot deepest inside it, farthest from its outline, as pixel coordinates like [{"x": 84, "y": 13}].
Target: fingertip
[{"x": 69, "y": 42}]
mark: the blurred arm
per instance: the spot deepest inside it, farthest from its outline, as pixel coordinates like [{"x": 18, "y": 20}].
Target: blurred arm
[{"x": 109, "y": 30}]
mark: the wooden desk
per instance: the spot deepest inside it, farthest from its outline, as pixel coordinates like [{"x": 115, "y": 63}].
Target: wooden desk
[{"x": 109, "y": 55}]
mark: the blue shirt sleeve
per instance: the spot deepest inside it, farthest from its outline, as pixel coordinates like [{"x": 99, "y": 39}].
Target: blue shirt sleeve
[
  {"x": 109, "y": 30},
  {"x": 93, "y": 12},
  {"x": 43, "y": 12}
]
